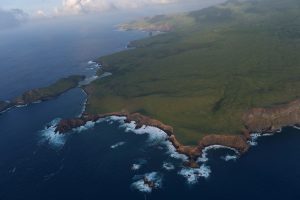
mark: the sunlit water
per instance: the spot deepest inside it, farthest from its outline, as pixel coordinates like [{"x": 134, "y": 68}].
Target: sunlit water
[{"x": 109, "y": 159}]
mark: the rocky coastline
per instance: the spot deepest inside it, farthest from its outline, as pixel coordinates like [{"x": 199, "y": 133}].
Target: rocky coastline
[
  {"x": 238, "y": 142},
  {"x": 256, "y": 120}
]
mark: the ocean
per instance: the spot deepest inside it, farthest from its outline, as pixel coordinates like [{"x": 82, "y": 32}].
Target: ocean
[{"x": 109, "y": 159}]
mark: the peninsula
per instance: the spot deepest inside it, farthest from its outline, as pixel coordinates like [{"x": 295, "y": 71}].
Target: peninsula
[
  {"x": 43, "y": 94},
  {"x": 215, "y": 76}
]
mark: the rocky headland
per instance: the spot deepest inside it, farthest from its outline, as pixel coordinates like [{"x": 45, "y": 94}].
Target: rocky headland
[
  {"x": 43, "y": 94},
  {"x": 238, "y": 142},
  {"x": 256, "y": 120},
  {"x": 272, "y": 119}
]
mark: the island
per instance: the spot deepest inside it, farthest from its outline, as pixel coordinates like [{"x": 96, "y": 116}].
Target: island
[
  {"x": 43, "y": 94},
  {"x": 213, "y": 77}
]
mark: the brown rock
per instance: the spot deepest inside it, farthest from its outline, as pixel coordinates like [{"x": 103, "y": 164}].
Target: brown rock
[{"x": 271, "y": 119}]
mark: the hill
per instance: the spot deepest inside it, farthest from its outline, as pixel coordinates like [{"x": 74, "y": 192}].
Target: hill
[{"x": 211, "y": 68}]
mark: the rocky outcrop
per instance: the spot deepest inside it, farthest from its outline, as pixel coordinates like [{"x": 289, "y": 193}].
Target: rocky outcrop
[
  {"x": 67, "y": 125},
  {"x": 262, "y": 120},
  {"x": 238, "y": 142},
  {"x": 30, "y": 97},
  {"x": 140, "y": 120}
]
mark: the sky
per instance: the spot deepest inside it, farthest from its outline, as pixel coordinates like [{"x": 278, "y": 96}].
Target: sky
[
  {"x": 15, "y": 12},
  {"x": 29, "y": 5},
  {"x": 67, "y": 7}
]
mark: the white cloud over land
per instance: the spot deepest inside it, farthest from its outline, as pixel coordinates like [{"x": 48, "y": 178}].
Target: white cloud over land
[{"x": 90, "y": 6}]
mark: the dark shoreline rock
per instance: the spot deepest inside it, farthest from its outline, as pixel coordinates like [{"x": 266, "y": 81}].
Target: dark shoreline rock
[
  {"x": 238, "y": 142},
  {"x": 257, "y": 120}
]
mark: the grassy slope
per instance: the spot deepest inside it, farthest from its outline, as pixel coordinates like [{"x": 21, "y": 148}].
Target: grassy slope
[
  {"x": 61, "y": 85},
  {"x": 202, "y": 76},
  {"x": 57, "y": 88}
]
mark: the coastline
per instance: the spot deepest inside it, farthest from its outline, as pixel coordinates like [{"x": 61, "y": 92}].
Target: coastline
[
  {"x": 239, "y": 142},
  {"x": 43, "y": 94},
  {"x": 256, "y": 120}
]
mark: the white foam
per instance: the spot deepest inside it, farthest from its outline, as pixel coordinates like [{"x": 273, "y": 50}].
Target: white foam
[
  {"x": 88, "y": 80},
  {"x": 20, "y": 106},
  {"x": 116, "y": 118},
  {"x": 168, "y": 166},
  {"x": 155, "y": 136},
  {"x": 192, "y": 175},
  {"x": 141, "y": 186},
  {"x": 296, "y": 127},
  {"x": 91, "y": 62},
  {"x": 229, "y": 157},
  {"x": 117, "y": 145},
  {"x": 51, "y": 137},
  {"x": 138, "y": 165},
  {"x": 7, "y": 109},
  {"x": 105, "y": 74},
  {"x": 254, "y": 137},
  {"x": 83, "y": 108},
  {"x": 85, "y": 127},
  {"x": 173, "y": 152},
  {"x": 205, "y": 151}
]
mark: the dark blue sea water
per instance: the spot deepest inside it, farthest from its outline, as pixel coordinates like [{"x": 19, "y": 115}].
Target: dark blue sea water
[{"x": 107, "y": 161}]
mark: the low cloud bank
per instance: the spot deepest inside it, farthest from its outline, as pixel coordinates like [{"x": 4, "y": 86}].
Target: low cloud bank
[
  {"x": 12, "y": 18},
  {"x": 93, "y": 6}
]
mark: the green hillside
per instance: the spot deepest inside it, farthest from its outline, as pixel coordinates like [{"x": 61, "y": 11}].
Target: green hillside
[{"x": 214, "y": 65}]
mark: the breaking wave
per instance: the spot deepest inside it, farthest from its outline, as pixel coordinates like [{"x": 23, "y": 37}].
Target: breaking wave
[
  {"x": 138, "y": 165},
  {"x": 141, "y": 184},
  {"x": 87, "y": 126},
  {"x": 192, "y": 175},
  {"x": 168, "y": 166},
  {"x": 229, "y": 157},
  {"x": 205, "y": 151},
  {"x": 105, "y": 74},
  {"x": 92, "y": 65},
  {"x": 91, "y": 62},
  {"x": 21, "y": 106},
  {"x": 88, "y": 80},
  {"x": 254, "y": 137},
  {"x": 296, "y": 127},
  {"x": 155, "y": 136},
  {"x": 117, "y": 145},
  {"x": 49, "y": 136}
]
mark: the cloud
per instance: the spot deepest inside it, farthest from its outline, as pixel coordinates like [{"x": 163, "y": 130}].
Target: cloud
[
  {"x": 94, "y": 6},
  {"x": 12, "y": 18}
]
